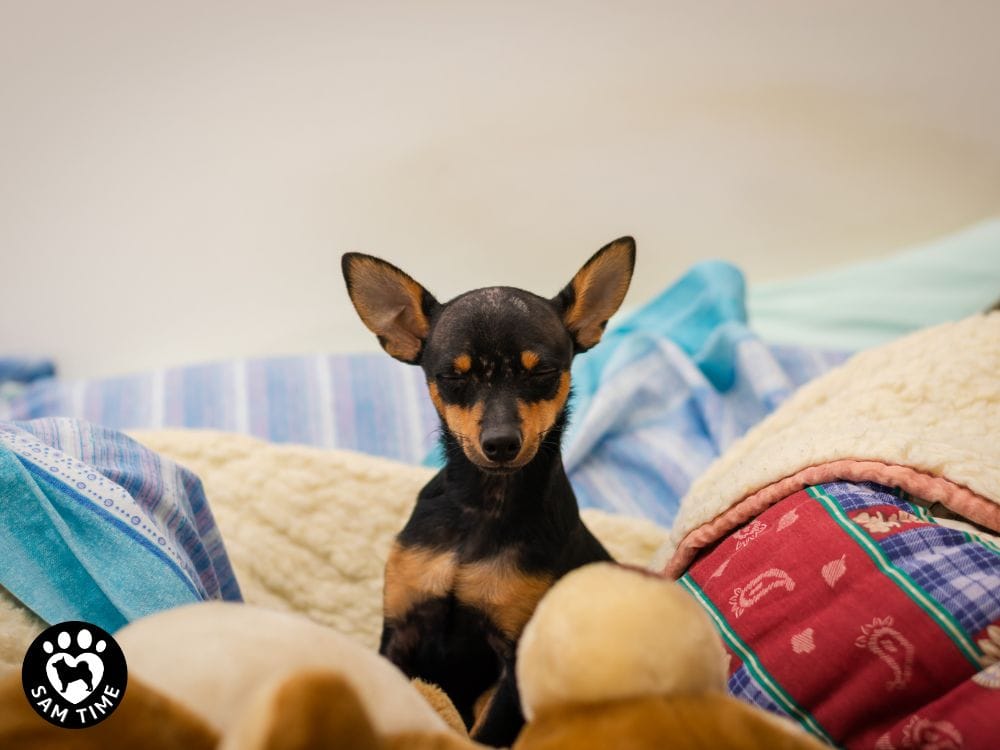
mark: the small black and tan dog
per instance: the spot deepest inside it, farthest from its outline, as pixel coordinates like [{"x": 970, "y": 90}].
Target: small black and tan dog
[{"x": 499, "y": 524}]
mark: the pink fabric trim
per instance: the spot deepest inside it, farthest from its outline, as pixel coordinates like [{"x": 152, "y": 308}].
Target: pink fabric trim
[{"x": 959, "y": 499}]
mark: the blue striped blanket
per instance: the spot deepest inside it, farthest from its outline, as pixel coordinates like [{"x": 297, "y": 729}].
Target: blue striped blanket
[
  {"x": 95, "y": 527},
  {"x": 672, "y": 386},
  {"x": 669, "y": 388}
]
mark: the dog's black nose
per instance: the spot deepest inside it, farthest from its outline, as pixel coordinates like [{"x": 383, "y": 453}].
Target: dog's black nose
[{"x": 501, "y": 444}]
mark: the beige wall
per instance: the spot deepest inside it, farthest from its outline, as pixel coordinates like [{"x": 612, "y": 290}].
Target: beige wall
[{"x": 178, "y": 179}]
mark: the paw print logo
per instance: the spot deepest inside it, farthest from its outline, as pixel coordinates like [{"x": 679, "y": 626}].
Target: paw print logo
[
  {"x": 74, "y": 674},
  {"x": 75, "y": 678}
]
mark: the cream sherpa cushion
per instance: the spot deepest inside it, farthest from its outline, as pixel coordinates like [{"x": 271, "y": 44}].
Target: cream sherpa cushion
[{"x": 921, "y": 413}]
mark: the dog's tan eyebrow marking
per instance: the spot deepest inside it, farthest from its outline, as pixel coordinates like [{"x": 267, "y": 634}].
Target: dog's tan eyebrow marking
[
  {"x": 501, "y": 590},
  {"x": 462, "y": 363},
  {"x": 529, "y": 359},
  {"x": 413, "y": 575}
]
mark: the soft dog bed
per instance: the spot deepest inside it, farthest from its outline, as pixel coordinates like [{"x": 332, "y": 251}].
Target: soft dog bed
[
  {"x": 862, "y": 608},
  {"x": 307, "y": 530}
]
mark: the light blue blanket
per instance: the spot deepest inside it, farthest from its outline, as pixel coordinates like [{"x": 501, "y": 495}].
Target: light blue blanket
[
  {"x": 95, "y": 527},
  {"x": 670, "y": 388},
  {"x": 18, "y": 370},
  {"x": 866, "y": 304}
]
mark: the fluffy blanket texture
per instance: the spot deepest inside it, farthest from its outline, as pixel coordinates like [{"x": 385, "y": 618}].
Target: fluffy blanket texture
[
  {"x": 920, "y": 414},
  {"x": 308, "y": 530}
]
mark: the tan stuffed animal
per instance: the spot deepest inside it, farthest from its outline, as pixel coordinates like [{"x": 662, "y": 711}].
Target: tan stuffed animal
[
  {"x": 612, "y": 658},
  {"x": 615, "y": 657},
  {"x": 306, "y": 709},
  {"x": 145, "y": 718},
  {"x": 237, "y": 677}
]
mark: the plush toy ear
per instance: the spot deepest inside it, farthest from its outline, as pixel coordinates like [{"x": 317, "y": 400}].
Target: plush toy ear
[
  {"x": 392, "y": 305},
  {"x": 596, "y": 292},
  {"x": 301, "y": 710},
  {"x": 146, "y": 718}
]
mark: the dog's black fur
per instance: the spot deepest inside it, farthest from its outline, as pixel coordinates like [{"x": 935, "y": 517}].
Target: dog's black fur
[
  {"x": 70, "y": 674},
  {"x": 499, "y": 523}
]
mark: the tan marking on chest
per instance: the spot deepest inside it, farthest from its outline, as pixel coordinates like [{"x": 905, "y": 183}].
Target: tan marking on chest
[
  {"x": 500, "y": 590},
  {"x": 496, "y": 587},
  {"x": 413, "y": 575}
]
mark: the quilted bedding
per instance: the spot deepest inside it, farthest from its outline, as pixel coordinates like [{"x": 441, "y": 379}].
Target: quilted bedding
[
  {"x": 847, "y": 608},
  {"x": 307, "y": 530},
  {"x": 825, "y": 547}
]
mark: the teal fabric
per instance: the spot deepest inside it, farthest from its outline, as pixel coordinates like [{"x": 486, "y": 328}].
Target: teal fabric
[
  {"x": 870, "y": 303},
  {"x": 66, "y": 561},
  {"x": 702, "y": 313}
]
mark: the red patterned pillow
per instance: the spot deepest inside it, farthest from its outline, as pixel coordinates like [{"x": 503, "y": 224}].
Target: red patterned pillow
[{"x": 849, "y": 610}]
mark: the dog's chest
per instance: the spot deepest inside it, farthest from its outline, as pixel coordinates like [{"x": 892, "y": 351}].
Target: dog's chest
[{"x": 494, "y": 586}]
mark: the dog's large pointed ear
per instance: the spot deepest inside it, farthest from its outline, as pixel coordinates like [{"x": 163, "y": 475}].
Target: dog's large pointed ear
[
  {"x": 596, "y": 292},
  {"x": 391, "y": 304}
]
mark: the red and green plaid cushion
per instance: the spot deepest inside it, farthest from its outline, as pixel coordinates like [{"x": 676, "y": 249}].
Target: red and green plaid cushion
[{"x": 849, "y": 610}]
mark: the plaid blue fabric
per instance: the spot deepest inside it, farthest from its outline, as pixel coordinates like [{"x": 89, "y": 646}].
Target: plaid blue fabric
[
  {"x": 160, "y": 504},
  {"x": 365, "y": 402},
  {"x": 658, "y": 421},
  {"x": 742, "y": 685},
  {"x": 858, "y": 495},
  {"x": 959, "y": 571},
  {"x": 956, "y": 569},
  {"x": 961, "y": 574}
]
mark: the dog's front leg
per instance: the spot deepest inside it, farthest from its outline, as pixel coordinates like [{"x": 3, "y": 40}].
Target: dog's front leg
[
  {"x": 416, "y": 582},
  {"x": 502, "y": 719},
  {"x": 400, "y": 644}
]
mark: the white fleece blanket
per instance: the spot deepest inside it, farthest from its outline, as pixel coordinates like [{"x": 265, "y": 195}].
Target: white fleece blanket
[
  {"x": 308, "y": 530},
  {"x": 921, "y": 413}
]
